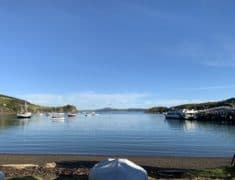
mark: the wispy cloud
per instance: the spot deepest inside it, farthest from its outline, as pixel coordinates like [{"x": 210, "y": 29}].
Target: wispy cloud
[
  {"x": 173, "y": 102},
  {"x": 220, "y": 56},
  {"x": 149, "y": 10},
  {"x": 231, "y": 86},
  {"x": 217, "y": 52},
  {"x": 90, "y": 100},
  {"x": 220, "y": 64}
]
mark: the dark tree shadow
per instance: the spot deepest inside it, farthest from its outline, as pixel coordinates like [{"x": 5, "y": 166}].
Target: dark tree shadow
[{"x": 76, "y": 164}]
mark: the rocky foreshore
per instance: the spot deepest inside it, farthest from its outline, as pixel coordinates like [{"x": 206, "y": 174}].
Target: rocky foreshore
[
  {"x": 78, "y": 167},
  {"x": 81, "y": 173},
  {"x": 45, "y": 173}
]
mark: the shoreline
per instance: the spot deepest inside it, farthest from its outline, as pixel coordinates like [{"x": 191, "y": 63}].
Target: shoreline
[
  {"x": 152, "y": 161},
  {"x": 7, "y": 113}
]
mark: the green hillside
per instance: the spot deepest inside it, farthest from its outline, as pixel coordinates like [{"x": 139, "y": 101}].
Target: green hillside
[
  {"x": 196, "y": 106},
  {"x": 207, "y": 105},
  {"x": 157, "y": 110},
  {"x": 10, "y": 105}
]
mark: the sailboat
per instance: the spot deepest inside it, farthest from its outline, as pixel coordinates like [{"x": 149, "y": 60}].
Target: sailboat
[
  {"x": 24, "y": 112},
  {"x": 72, "y": 114},
  {"x": 58, "y": 116}
]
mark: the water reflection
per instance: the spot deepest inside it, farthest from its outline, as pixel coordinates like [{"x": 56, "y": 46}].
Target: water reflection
[
  {"x": 116, "y": 133},
  {"x": 57, "y": 120},
  {"x": 175, "y": 123},
  {"x": 24, "y": 121},
  {"x": 10, "y": 121},
  {"x": 192, "y": 126}
]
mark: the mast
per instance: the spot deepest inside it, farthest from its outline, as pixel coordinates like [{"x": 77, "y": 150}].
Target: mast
[
  {"x": 21, "y": 109},
  {"x": 25, "y": 107}
]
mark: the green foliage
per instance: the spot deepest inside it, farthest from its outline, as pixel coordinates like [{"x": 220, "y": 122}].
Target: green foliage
[
  {"x": 223, "y": 173},
  {"x": 200, "y": 106},
  {"x": 157, "y": 110},
  {"x": 196, "y": 106}
]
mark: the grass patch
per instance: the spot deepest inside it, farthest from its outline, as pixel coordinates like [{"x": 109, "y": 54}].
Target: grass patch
[{"x": 223, "y": 172}]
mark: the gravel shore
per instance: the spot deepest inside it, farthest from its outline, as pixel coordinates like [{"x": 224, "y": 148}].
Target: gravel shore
[
  {"x": 79, "y": 165},
  {"x": 162, "y": 162}
]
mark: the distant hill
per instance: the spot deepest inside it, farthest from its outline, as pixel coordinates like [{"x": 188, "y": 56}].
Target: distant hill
[
  {"x": 11, "y": 105},
  {"x": 108, "y": 109},
  {"x": 196, "y": 106}
]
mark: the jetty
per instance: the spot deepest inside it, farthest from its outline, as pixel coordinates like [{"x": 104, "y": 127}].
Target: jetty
[{"x": 221, "y": 113}]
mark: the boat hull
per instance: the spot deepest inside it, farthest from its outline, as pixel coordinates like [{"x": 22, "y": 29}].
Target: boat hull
[
  {"x": 72, "y": 115},
  {"x": 58, "y": 118},
  {"x": 189, "y": 117},
  {"x": 24, "y": 115},
  {"x": 173, "y": 117}
]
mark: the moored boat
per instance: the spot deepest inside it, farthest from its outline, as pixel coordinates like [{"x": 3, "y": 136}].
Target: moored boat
[
  {"x": 70, "y": 114},
  {"x": 174, "y": 115},
  {"x": 190, "y": 114},
  {"x": 57, "y": 116},
  {"x": 24, "y": 112},
  {"x": 24, "y": 115}
]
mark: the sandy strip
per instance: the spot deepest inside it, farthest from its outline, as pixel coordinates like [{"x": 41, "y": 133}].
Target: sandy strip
[{"x": 79, "y": 160}]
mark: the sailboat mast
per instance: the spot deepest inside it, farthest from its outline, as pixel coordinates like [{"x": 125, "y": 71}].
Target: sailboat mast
[{"x": 26, "y": 107}]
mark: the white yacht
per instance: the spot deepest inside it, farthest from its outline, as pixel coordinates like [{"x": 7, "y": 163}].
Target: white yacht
[
  {"x": 24, "y": 112},
  {"x": 58, "y": 116},
  {"x": 190, "y": 114},
  {"x": 71, "y": 114}
]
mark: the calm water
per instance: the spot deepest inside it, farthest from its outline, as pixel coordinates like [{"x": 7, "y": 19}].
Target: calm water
[{"x": 116, "y": 134}]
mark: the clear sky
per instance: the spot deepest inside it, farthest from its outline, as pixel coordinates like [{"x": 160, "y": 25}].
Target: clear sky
[{"x": 119, "y": 53}]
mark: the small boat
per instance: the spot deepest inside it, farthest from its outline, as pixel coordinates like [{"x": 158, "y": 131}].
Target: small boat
[
  {"x": 24, "y": 112},
  {"x": 174, "y": 115},
  {"x": 89, "y": 114},
  {"x": 24, "y": 115},
  {"x": 70, "y": 114},
  {"x": 57, "y": 116},
  {"x": 190, "y": 114}
]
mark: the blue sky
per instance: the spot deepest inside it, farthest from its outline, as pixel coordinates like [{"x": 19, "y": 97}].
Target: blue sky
[{"x": 119, "y": 53}]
